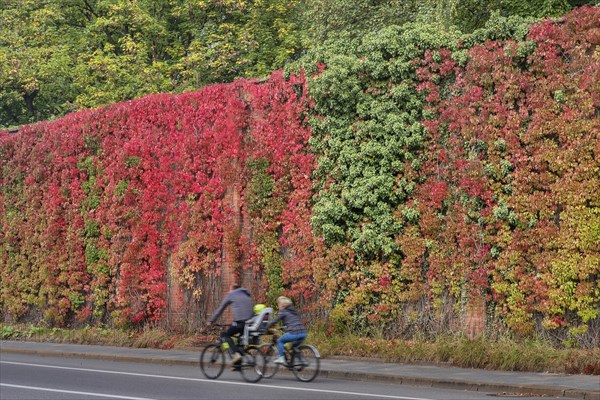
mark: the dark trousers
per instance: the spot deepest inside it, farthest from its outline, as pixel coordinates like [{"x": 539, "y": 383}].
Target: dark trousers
[{"x": 237, "y": 327}]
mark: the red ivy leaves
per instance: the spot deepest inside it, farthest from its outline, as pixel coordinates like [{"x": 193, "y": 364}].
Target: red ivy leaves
[
  {"x": 106, "y": 201},
  {"x": 515, "y": 145}
]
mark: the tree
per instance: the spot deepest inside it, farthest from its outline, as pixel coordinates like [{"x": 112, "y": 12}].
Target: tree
[
  {"x": 65, "y": 55},
  {"x": 35, "y": 60},
  {"x": 331, "y": 19}
]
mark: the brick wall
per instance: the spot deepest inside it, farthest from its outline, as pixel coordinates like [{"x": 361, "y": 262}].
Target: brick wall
[{"x": 474, "y": 317}]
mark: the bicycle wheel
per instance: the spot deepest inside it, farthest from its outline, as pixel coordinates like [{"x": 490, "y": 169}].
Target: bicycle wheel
[
  {"x": 252, "y": 365},
  {"x": 212, "y": 361},
  {"x": 306, "y": 363},
  {"x": 270, "y": 354}
]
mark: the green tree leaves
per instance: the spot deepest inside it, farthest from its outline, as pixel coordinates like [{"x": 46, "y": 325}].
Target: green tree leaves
[
  {"x": 33, "y": 64},
  {"x": 64, "y": 55}
]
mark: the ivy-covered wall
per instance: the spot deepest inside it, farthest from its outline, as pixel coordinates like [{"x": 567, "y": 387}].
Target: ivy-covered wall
[
  {"x": 99, "y": 205},
  {"x": 453, "y": 168},
  {"x": 411, "y": 176}
]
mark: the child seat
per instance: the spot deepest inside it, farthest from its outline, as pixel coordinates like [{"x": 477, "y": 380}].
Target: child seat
[{"x": 255, "y": 326}]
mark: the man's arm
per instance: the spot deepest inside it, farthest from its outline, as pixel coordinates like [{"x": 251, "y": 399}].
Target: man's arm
[
  {"x": 226, "y": 301},
  {"x": 279, "y": 317}
]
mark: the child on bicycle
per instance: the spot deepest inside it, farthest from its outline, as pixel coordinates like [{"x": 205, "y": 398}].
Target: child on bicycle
[{"x": 294, "y": 329}]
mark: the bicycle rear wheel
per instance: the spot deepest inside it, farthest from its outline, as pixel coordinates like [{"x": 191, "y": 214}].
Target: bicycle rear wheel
[
  {"x": 306, "y": 363},
  {"x": 212, "y": 361},
  {"x": 270, "y": 354},
  {"x": 252, "y": 365}
]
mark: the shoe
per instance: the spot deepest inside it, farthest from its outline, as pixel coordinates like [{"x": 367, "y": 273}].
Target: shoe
[
  {"x": 280, "y": 360},
  {"x": 237, "y": 357}
]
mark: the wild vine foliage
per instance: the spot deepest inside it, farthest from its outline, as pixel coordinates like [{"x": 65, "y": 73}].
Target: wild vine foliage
[
  {"x": 453, "y": 168},
  {"x": 408, "y": 174},
  {"x": 517, "y": 145},
  {"x": 99, "y": 206}
]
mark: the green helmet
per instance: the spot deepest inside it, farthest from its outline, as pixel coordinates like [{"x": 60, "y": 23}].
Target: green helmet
[{"x": 258, "y": 308}]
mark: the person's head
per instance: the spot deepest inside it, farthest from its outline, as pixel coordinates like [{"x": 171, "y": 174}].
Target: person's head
[
  {"x": 283, "y": 302},
  {"x": 235, "y": 286}
]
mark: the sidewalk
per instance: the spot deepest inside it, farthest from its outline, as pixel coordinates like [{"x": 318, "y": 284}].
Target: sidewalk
[{"x": 554, "y": 385}]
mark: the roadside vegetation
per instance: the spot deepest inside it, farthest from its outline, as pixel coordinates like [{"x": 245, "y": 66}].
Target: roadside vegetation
[{"x": 485, "y": 353}]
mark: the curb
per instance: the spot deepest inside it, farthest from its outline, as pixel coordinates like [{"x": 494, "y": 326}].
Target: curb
[
  {"x": 112, "y": 357},
  {"x": 516, "y": 390},
  {"x": 501, "y": 389}
]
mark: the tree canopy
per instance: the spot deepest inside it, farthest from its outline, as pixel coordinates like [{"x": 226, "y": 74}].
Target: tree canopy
[{"x": 59, "y": 56}]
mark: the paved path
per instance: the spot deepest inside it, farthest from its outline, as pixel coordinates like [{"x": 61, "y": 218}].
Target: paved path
[{"x": 556, "y": 385}]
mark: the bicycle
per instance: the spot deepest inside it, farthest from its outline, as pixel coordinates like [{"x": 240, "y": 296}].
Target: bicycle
[
  {"x": 215, "y": 355},
  {"x": 303, "y": 360}
]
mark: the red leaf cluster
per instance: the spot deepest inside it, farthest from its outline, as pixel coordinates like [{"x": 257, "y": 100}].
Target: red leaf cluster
[{"x": 100, "y": 206}]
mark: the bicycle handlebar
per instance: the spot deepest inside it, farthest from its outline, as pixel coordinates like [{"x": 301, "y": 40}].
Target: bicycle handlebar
[{"x": 208, "y": 327}]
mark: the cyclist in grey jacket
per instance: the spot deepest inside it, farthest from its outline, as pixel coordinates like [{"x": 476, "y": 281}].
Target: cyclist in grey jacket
[
  {"x": 294, "y": 328},
  {"x": 241, "y": 304}
]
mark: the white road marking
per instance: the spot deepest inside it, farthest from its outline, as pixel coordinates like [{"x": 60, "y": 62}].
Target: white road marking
[
  {"x": 41, "y": 389},
  {"x": 384, "y": 396}
]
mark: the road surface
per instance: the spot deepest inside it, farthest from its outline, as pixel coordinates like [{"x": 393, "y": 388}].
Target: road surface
[{"x": 32, "y": 377}]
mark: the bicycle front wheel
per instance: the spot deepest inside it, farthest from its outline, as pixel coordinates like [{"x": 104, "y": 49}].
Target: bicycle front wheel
[
  {"x": 270, "y": 354},
  {"x": 252, "y": 365},
  {"x": 306, "y": 363},
  {"x": 212, "y": 361}
]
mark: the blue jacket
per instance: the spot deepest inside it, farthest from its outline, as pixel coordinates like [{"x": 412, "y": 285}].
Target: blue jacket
[
  {"x": 241, "y": 305},
  {"x": 291, "y": 320}
]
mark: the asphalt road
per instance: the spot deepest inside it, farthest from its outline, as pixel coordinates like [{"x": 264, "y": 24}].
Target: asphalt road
[{"x": 32, "y": 377}]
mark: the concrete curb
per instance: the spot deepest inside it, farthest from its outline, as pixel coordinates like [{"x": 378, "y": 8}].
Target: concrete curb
[
  {"x": 465, "y": 385},
  {"x": 112, "y": 357}
]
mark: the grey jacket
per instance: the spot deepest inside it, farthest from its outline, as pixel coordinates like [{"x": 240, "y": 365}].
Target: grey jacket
[
  {"x": 241, "y": 305},
  {"x": 291, "y": 320}
]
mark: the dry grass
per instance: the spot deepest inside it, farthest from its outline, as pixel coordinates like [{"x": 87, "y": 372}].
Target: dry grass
[{"x": 503, "y": 354}]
